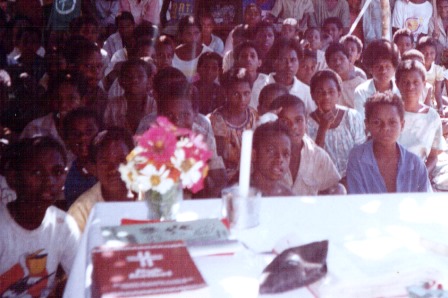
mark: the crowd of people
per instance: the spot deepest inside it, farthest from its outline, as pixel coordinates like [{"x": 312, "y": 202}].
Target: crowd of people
[{"x": 336, "y": 107}]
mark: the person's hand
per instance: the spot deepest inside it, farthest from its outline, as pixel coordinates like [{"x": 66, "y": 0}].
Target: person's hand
[{"x": 326, "y": 119}]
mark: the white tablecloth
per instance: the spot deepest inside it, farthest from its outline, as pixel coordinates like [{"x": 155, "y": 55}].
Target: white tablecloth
[{"x": 378, "y": 243}]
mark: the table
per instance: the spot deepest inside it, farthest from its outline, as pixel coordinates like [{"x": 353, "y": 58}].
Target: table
[{"x": 377, "y": 243}]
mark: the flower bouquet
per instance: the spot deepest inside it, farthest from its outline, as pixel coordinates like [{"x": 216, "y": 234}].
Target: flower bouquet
[{"x": 166, "y": 160}]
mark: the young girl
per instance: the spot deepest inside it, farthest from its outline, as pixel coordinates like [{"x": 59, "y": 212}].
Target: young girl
[
  {"x": 229, "y": 121},
  {"x": 270, "y": 158},
  {"x": 79, "y": 128},
  {"x": 382, "y": 165},
  {"x": 35, "y": 237},
  {"x": 381, "y": 58},
  {"x": 187, "y": 54},
  {"x": 267, "y": 95},
  {"x": 107, "y": 151},
  {"x": 335, "y": 128},
  {"x": 311, "y": 170}
]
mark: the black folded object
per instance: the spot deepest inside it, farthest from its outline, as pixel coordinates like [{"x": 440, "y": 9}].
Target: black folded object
[{"x": 295, "y": 267}]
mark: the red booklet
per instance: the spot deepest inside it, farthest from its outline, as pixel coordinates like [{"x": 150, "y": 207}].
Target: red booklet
[{"x": 146, "y": 269}]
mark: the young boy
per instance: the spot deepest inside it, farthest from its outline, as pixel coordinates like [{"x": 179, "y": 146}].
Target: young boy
[
  {"x": 404, "y": 39},
  {"x": 123, "y": 37},
  {"x": 164, "y": 52},
  {"x": 307, "y": 66},
  {"x": 333, "y": 27},
  {"x": 289, "y": 28},
  {"x": 267, "y": 95},
  {"x": 313, "y": 42},
  {"x": 354, "y": 47},
  {"x": 312, "y": 171},
  {"x": 208, "y": 38},
  {"x": 337, "y": 58}
]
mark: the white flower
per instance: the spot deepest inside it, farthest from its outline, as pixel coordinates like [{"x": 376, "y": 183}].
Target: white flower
[
  {"x": 189, "y": 168},
  {"x": 155, "y": 179},
  {"x": 129, "y": 175}
]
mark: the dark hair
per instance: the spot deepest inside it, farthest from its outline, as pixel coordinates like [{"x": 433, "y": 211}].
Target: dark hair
[
  {"x": 105, "y": 137},
  {"x": 147, "y": 30},
  {"x": 426, "y": 41},
  {"x": 123, "y": 16},
  {"x": 78, "y": 22},
  {"x": 412, "y": 54},
  {"x": 333, "y": 20},
  {"x": 79, "y": 50},
  {"x": 286, "y": 101},
  {"x": 78, "y": 114},
  {"x": 234, "y": 76},
  {"x": 281, "y": 44},
  {"x": 67, "y": 77},
  {"x": 244, "y": 45},
  {"x": 381, "y": 49},
  {"x": 206, "y": 15},
  {"x": 164, "y": 40},
  {"x": 335, "y": 47},
  {"x": 33, "y": 30},
  {"x": 271, "y": 88},
  {"x": 210, "y": 56},
  {"x": 185, "y": 22},
  {"x": 181, "y": 91},
  {"x": 21, "y": 154},
  {"x": 309, "y": 29},
  {"x": 410, "y": 65},
  {"x": 386, "y": 98},
  {"x": 307, "y": 53},
  {"x": 264, "y": 25},
  {"x": 252, "y": 5},
  {"x": 326, "y": 74},
  {"x": 270, "y": 129},
  {"x": 352, "y": 38},
  {"x": 166, "y": 79},
  {"x": 403, "y": 32},
  {"x": 135, "y": 62}
]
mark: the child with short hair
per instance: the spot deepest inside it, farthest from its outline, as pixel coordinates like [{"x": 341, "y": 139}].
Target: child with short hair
[
  {"x": 33, "y": 230},
  {"x": 381, "y": 58},
  {"x": 137, "y": 101},
  {"x": 271, "y": 153},
  {"x": 337, "y": 58},
  {"x": 333, "y": 27},
  {"x": 264, "y": 38},
  {"x": 211, "y": 94},
  {"x": 313, "y": 41},
  {"x": 354, "y": 48},
  {"x": 311, "y": 170},
  {"x": 107, "y": 151},
  {"x": 381, "y": 164},
  {"x": 125, "y": 24},
  {"x": 229, "y": 121},
  {"x": 208, "y": 38},
  {"x": 289, "y": 28},
  {"x": 164, "y": 52},
  {"x": 268, "y": 94},
  {"x": 434, "y": 72},
  {"x": 247, "y": 56},
  {"x": 404, "y": 39},
  {"x": 79, "y": 128},
  {"x": 307, "y": 66}
]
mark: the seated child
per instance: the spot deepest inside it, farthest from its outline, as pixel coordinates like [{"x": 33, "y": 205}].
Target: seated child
[
  {"x": 164, "y": 52},
  {"x": 247, "y": 56},
  {"x": 79, "y": 128},
  {"x": 307, "y": 66},
  {"x": 414, "y": 54},
  {"x": 107, "y": 151},
  {"x": 289, "y": 28},
  {"x": 434, "y": 72},
  {"x": 404, "y": 39},
  {"x": 137, "y": 101},
  {"x": 264, "y": 40},
  {"x": 208, "y": 38},
  {"x": 271, "y": 154},
  {"x": 229, "y": 121},
  {"x": 268, "y": 94},
  {"x": 354, "y": 48},
  {"x": 337, "y": 58},
  {"x": 313, "y": 42},
  {"x": 333, "y": 27},
  {"x": 125, "y": 23},
  {"x": 311, "y": 170},
  {"x": 211, "y": 94},
  {"x": 381, "y": 164},
  {"x": 381, "y": 58},
  {"x": 33, "y": 229}
]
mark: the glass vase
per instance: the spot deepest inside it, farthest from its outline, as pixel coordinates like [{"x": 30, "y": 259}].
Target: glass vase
[{"x": 164, "y": 207}]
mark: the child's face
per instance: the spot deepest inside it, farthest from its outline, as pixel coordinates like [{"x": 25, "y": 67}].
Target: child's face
[
  {"x": 164, "y": 56},
  {"x": 238, "y": 96},
  {"x": 265, "y": 105},
  {"x": 252, "y": 16},
  {"x": 209, "y": 70},
  {"x": 430, "y": 55},
  {"x": 90, "y": 32},
  {"x": 207, "y": 26},
  {"x": 288, "y": 31},
  {"x": 339, "y": 63},
  {"x": 287, "y": 63},
  {"x": 333, "y": 31},
  {"x": 134, "y": 81},
  {"x": 272, "y": 159},
  {"x": 313, "y": 37},
  {"x": 404, "y": 43},
  {"x": 68, "y": 99},
  {"x": 295, "y": 118},
  {"x": 125, "y": 29},
  {"x": 411, "y": 85},
  {"x": 326, "y": 95},
  {"x": 382, "y": 71},
  {"x": 248, "y": 59},
  {"x": 43, "y": 179},
  {"x": 108, "y": 160},
  {"x": 81, "y": 134},
  {"x": 307, "y": 67},
  {"x": 92, "y": 69},
  {"x": 353, "y": 52},
  {"x": 191, "y": 35},
  {"x": 385, "y": 125},
  {"x": 180, "y": 113},
  {"x": 265, "y": 39}
]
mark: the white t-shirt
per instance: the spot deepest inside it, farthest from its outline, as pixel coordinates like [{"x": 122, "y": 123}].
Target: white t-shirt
[
  {"x": 258, "y": 85},
  {"x": 188, "y": 68},
  {"x": 413, "y": 16},
  {"x": 29, "y": 259}
]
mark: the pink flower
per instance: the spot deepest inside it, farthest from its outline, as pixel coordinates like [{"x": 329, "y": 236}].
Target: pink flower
[{"x": 158, "y": 145}]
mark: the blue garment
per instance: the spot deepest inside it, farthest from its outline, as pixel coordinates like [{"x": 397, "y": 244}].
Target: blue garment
[
  {"x": 363, "y": 174},
  {"x": 76, "y": 183}
]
